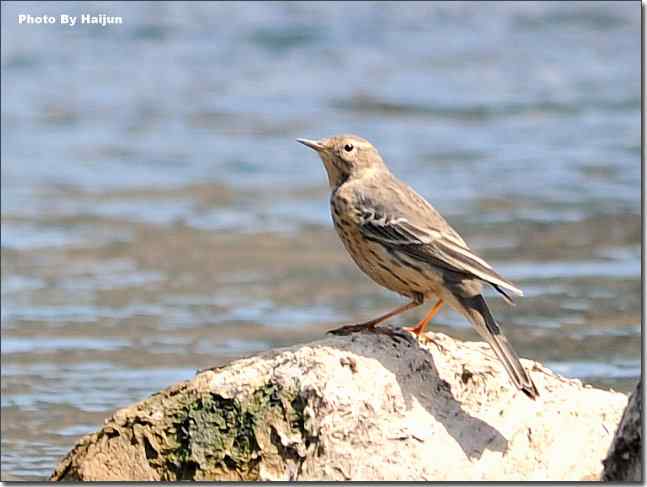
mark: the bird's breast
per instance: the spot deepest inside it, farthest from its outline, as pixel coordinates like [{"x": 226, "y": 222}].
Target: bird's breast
[
  {"x": 346, "y": 222},
  {"x": 375, "y": 260}
]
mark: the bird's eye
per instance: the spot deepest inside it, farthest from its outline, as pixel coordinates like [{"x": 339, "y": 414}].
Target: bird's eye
[{"x": 348, "y": 147}]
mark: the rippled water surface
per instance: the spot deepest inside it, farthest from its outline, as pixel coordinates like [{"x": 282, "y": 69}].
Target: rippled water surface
[{"x": 158, "y": 216}]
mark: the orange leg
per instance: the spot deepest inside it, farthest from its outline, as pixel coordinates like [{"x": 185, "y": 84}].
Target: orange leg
[
  {"x": 419, "y": 329},
  {"x": 371, "y": 324}
]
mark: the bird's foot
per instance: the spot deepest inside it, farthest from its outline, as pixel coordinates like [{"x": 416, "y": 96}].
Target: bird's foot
[
  {"x": 422, "y": 337},
  {"x": 348, "y": 329},
  {"x": 416, "y": 330},
  {"x": 395, "y": 334},
  {"x": 426, "y": 339}
]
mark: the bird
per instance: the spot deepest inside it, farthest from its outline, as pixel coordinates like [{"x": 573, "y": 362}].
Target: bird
[{"x": 404, "y": 244}]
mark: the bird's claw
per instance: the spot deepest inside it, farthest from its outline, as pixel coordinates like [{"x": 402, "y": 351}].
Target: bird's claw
[
  {"x": 348, "y": 329},
  {"x": 399, "y": 334},
  {"x": 395, "y": 334},
  {"x": 425, "y": 339}
]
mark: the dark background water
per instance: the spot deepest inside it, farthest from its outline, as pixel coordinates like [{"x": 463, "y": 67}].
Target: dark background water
[{"x": 158, "y": 216}]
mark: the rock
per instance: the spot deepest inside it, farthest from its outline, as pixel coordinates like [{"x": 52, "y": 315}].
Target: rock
[
  {"x": 362, "y": 407},
  {"x": 624, "y": 460}
]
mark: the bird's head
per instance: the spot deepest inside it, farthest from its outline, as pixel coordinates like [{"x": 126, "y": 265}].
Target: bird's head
[{"x": 345, "y": 156}]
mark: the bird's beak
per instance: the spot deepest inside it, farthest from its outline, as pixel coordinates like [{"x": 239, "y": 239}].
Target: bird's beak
[{"x": 313, "y": 144}]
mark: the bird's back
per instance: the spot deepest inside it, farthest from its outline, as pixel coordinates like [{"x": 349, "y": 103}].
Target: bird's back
[
  {"x": 421, "y": 212},
  {"x": 395, "y": 197}
]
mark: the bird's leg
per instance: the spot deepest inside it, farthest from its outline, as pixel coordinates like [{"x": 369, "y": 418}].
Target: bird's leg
[
  {"x": 419, "y": 329},
  {"x": 371, "y": 324}
]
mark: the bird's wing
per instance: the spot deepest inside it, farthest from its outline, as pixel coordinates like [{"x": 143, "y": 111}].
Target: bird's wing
[{"x": 437, "y": 246}]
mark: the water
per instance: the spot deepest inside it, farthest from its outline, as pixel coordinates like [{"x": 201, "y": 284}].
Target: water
[{"x": 158, "y": 216}]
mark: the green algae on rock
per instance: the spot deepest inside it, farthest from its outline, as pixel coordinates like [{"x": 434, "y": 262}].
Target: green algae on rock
[{"x": 188, "y": 434}]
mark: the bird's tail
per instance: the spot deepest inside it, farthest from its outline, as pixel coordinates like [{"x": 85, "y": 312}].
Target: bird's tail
[{"x": 479, "y": 314}]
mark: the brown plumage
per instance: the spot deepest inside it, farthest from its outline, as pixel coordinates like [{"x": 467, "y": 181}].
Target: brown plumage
[{"x": 401, "y": 242}]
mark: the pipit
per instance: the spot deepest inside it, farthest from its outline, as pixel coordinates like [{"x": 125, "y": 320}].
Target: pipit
[{"x": 401, "y": 242}]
